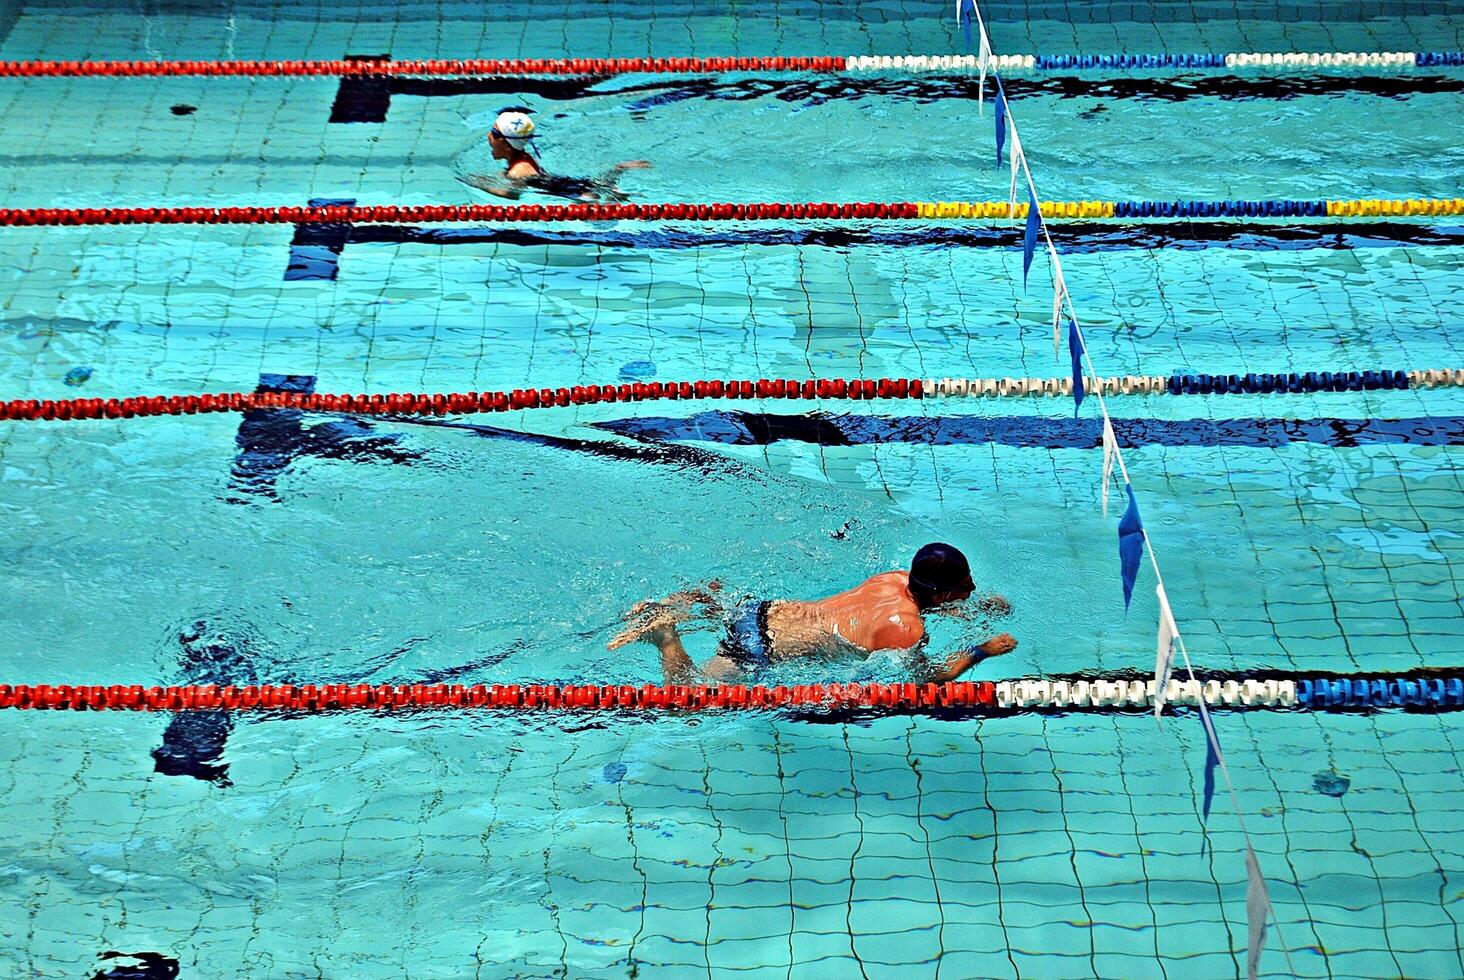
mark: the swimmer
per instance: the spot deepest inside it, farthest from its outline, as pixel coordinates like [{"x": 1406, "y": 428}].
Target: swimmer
[
  {"x": 509, "y": 140},
  {"x": 885, "y": 612}
]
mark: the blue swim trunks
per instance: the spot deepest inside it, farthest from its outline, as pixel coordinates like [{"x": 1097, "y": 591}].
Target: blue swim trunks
[{"x": 746, "y": 643}]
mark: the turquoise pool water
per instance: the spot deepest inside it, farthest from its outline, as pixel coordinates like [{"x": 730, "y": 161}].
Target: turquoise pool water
[{"x": 505, "y": 548}]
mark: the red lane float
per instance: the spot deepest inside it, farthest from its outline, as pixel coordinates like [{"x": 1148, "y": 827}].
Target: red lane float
[
  {"x": 435, "y": 67},
  {"x": 456, "y": 403},
  {"x": 440, "y": 213},
  {"x": 317, "y": 698}
]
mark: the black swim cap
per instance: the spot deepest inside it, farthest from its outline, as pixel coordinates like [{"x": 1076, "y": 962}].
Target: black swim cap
[{"x": 941, "y": 568}]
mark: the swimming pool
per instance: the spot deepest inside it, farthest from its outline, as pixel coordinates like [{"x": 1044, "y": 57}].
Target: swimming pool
[{"x": 294, "y": 548}]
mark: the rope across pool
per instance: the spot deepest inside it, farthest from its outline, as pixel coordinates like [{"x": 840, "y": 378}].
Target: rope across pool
[
  {"x": 1432, "y": 692},
  {"x": 460, "y": 403},
  {"x": 852, "y": 64},
  {"x": 723, "y": 211}
]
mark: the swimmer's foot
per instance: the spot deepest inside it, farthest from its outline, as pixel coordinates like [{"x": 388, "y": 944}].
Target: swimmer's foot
[
  {"x": 656, "y": 628},
  {"x": 694, "y": 603},
  {"x": 651, "y": 619},
  {"x": 650, "y": 622}
]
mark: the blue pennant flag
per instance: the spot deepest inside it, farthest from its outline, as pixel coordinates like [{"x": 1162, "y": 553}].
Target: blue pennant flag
[
  {"x": 1130, "y": 545},
  {"x": 1075, "y": 345},
  {"x": 1029, "y": 237},
  {"x": 1001, "y": 114},
  {"x": 963, "y": 16},
  {"x": 1211, "y": 760}
]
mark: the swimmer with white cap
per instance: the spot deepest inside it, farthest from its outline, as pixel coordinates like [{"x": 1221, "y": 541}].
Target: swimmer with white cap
[{"x": 511, "y": 138}]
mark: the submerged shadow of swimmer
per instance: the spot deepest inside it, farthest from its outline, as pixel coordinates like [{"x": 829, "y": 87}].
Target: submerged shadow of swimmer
[
  {"x": 636, "y": 450},
  {"x": 270, "y": 440},
  {"x": 194, "y": 741},
  {"x": 149, "y": 966}
]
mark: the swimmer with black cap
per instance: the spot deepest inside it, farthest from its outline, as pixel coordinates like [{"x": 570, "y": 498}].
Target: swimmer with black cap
[
  {"x": 885, "y": 612},
  {"x": 510, "y": 140}
]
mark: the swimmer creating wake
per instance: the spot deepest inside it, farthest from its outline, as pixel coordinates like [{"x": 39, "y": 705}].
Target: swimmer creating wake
[
  {"x": 510, "y": 139},
  {"x": 885, "y": 612}
]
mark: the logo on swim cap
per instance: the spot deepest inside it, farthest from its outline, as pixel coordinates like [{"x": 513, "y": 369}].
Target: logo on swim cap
[{"x": 515, "y": 128}]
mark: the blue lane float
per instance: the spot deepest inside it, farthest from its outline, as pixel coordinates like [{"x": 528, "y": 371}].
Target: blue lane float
[
  {"x": 1311, "y": 381},
  {"x": 1111, "y": 62}
]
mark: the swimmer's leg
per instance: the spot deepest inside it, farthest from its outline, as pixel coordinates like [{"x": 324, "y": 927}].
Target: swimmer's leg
[
  {"x": 676, "y": 663},
  {"x": 608, "y": 183},
  {"x": 658, "y": 628},
  {"x": 721, "y": 669},
  {"x": 657, "y": 625}
]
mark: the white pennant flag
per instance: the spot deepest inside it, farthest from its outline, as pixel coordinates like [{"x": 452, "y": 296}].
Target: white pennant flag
[
  {"x": 1257, "y": 911},
  {"x": 1016, "y": 155},
  {"x": 1164, "y": 660},
  {"x": 1110, "y": 449},
  {"x": 1059, "y": 290},
  {"x": 981, "y": 59},
  {"x": 983, "y": 54}
]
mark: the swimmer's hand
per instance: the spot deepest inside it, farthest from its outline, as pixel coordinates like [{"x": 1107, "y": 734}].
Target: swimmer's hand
[
  {"x": 995, "y": 605},
  {"x": 961, "y": 661},
  {"x": 997, "y": 645},
  {"x": 632, "y": 165}
]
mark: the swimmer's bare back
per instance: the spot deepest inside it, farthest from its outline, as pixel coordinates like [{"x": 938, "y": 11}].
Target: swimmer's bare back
[{"x": 877, "y": 614}]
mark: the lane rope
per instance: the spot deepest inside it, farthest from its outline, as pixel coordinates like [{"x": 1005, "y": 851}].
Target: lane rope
[
  {"x": 470, "y": 402},
  {"x": 1096, "y": 694},
  {"x": 723, "y": 211},
  {"x": 852, "y": 64}
]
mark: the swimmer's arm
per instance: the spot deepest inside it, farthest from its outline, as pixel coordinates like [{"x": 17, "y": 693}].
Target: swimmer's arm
[
  {"x": 497, "y": 186},
  {"x": 962, "y": 660},
  {"x": 607, "y": 181}
]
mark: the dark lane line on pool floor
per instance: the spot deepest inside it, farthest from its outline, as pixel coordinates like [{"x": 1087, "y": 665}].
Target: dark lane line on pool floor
[
  {"x": 1075, "y": 236},
  {"x": 269, "y": 441},
  {"x": 367, "y": 98},
  {"x": 315, "y": 250},
  {"x": 1026, "y": 432}
]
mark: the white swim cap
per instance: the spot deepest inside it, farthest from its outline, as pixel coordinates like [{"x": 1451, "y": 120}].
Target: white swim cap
[{"x": 514, "y": 127}]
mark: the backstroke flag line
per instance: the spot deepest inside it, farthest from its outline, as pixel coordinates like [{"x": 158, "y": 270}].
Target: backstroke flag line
[{"x": 1133, "y": 541}]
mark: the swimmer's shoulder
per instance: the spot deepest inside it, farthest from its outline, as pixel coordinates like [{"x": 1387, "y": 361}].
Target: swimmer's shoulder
[
  {"x": 882, "y": 583},
  {"x": 523, "y": 170},
  {"x": 889, "y": 587},
  {"x": 898, "y": 629}
]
